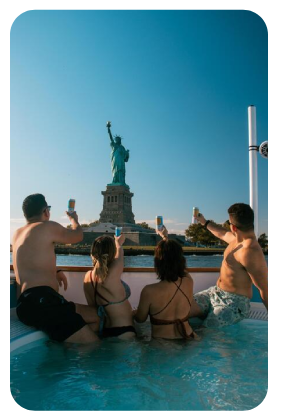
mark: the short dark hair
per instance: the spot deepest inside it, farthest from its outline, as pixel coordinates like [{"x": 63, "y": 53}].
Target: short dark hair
[
  {"x": 169, "y": 260},
  {"x": 33, "y": 205},
  {"x": 243, "y": 216}
]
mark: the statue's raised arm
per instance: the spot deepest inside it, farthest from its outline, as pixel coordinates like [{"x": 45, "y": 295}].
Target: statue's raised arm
[{"x": 109, "y": 132}]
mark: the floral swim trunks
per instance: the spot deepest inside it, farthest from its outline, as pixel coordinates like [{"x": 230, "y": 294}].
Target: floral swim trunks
[{"x": 222, "y": 308}]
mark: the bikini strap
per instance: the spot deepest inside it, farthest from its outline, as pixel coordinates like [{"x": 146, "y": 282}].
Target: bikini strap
[
  {"x": 182, "y": 330},
  {"x": 169, "y": 301},
  {"x": 179, "y": 323},
  {"x": 96, "y": 290},
  {"x": 183, "y": 292}
]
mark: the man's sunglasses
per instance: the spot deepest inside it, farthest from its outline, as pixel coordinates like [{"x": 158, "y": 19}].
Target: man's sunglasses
[
  {"x": 230, "y": 223},
  {"x": 47, "y": 207}
]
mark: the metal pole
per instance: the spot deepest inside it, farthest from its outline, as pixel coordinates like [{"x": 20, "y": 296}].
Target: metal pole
[{"x": 253, "y": 163}]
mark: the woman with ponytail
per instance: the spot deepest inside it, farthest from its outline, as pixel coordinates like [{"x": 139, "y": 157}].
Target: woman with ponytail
[{"x": 105, "y": 290}]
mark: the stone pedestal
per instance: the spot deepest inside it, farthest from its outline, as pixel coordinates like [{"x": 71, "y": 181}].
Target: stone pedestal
[{"x": 117, "y": 205}]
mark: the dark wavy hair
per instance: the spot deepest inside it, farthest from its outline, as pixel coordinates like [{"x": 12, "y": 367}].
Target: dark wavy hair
[{"x": 169, "y": 260}]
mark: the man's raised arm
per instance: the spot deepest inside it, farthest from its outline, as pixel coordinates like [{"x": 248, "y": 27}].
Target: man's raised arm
[
  {"x": 67, "y": 236},
  {"x": 216, "y": 230}
]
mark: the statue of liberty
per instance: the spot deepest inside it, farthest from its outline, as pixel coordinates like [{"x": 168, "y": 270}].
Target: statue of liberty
[{"x": 119, "y": 156}]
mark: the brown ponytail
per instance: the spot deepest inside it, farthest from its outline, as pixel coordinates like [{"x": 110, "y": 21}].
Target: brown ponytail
[{"x": 103, "y": 252}]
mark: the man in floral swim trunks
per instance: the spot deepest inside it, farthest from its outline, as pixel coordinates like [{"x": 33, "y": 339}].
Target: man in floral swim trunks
[{"x": 243, "y": 265}]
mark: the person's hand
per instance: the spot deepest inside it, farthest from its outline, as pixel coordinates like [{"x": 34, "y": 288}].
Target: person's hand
[
  {"x": 201, "y": 219},
  {"x": 120, "y": 240},
  {"x": 72, "y": 215},
  {"x": 62, "y": 280},
  {"x": 162, "y": 232},
  {"x": 196, "y": 337}
]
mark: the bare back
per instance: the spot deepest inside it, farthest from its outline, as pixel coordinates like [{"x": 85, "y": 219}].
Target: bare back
[
  {"x": 234, "y": 276},
  {"x": 118, "y": 314},
  {"x": 159, "y": 296},
  {"x": 34, "y": 258}
]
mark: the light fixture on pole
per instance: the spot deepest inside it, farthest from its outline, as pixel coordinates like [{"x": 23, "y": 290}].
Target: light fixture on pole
[{"x": 253, "y": 165}]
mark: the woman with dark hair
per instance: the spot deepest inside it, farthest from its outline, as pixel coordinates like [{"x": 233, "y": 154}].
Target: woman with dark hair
[
  {"x": 104, "y": 288},
  {"x": 168, "y": 302}
]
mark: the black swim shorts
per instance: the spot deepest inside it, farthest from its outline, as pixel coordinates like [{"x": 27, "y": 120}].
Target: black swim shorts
[{"x": 45, "y": 309}]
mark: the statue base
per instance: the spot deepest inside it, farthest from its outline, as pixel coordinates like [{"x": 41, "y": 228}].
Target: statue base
[
  {"x": 118, "y": 184},
  {"x": 117, "y": 205}
]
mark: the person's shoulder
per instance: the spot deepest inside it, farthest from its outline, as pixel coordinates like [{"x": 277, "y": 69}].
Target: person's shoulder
[
  {"x": 149, "y": 288},
  {"x": 17, "y": 233},
  {"x": 50, "y": 229},
  {"x": 188, "y": 278},
  {"x": 22, "y": 230},
  {"x": 251, "y": 251},
  {"x": 87, "y": 277},
  {"x": 252, "y": 245},
  {"x": 15, "y": 239},
  {"x": 51, "y": 226}
]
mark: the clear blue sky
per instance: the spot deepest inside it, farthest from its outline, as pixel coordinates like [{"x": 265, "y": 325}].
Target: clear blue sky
[{"x": 176, "y": 86}]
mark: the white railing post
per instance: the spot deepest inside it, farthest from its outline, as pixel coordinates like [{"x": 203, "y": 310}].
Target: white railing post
[{"x": 253, "y": 163}]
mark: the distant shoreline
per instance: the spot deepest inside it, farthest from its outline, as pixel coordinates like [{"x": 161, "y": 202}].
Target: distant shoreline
[
  {"x": 138, "y": 251},
  {"x": 132, "y": 251}
]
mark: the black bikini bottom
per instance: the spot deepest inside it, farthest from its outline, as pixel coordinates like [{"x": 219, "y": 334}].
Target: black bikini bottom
[{"x": 116, "y": 331}]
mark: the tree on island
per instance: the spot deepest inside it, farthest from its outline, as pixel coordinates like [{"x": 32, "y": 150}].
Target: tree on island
[
  {"x": 196, "y": 233},
  {"x": 263, "y": 241},
  {"x": 145, "y": 225},
  {"x": 93, "y": 223}
]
